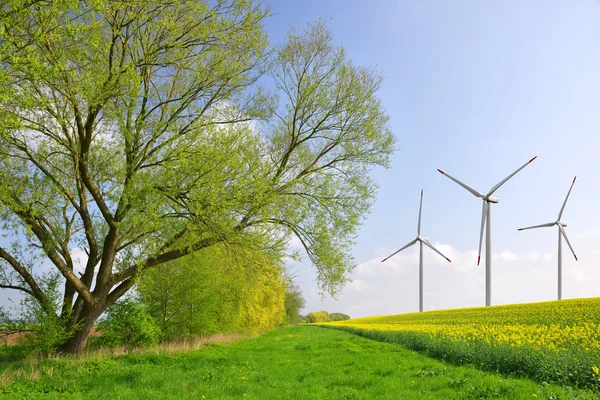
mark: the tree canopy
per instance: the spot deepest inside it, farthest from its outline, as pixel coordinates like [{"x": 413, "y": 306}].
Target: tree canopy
[{"x": 137, "y": 131}]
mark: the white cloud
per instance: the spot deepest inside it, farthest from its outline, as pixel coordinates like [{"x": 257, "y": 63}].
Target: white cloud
[
  {"x": 357, "y": 285},
  {"x": 505, "y": 256}
]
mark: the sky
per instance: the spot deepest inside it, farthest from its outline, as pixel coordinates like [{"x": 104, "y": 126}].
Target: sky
[{"x": 476, "y": 89}]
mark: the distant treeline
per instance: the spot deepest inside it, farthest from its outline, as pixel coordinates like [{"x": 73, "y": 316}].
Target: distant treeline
[{"x": 324, "y": 316}]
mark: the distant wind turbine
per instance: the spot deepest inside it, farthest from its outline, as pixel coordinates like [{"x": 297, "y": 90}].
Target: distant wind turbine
[
  {"x": 422, "y": 241},
  {"x": 561, "y": 231},
  {"x": 486, "y": 214}
]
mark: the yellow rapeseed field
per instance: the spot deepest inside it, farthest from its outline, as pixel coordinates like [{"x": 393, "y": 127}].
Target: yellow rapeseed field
[{"x": 555, "y": 325}]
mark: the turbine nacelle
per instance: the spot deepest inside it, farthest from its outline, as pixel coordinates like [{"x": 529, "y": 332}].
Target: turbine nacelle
[
  {"x": 563, "y": 224},
  {"x": 490, "y": 199}
]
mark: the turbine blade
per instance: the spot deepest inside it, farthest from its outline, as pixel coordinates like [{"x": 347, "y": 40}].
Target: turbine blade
[
  {"x": 562, "y": 230},
  {"x": 434, "y": 249},
  {"x": 483, "y": 217},
  {"x": 502, "y": 182},
  {"x": 566, "y": 198},
  {"x": 538, "y": 226},
  {"x": 473, "y": 191},
  {"x": 420, "y": 208},
  {"x": 399, "y": 250}
]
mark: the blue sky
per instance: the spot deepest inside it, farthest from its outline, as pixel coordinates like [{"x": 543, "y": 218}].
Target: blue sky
[{"x": 477, "y": 89}]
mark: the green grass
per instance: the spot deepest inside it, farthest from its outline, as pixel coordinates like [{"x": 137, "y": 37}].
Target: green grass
[{"x": 304, "y": 362}]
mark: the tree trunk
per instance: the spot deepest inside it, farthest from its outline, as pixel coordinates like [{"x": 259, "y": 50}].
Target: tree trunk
[{"x": 76, "y": 343}]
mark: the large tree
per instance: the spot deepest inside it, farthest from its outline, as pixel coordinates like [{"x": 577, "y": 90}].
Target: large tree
[{"x": 126, "y": 131}]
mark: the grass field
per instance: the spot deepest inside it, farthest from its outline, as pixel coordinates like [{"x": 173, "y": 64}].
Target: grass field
[
  {"x": 304, "y": 362},
  {"x": 556, "y": 341}
]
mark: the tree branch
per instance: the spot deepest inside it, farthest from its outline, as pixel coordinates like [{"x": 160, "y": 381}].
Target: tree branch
[{"x": 27, "y": 277}]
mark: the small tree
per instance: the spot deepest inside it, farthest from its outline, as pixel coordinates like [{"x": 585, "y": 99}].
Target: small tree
[{"x": 294, "y": 302}]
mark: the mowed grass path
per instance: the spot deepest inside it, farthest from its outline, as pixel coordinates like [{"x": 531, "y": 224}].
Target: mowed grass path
[{"x": 304, "y": 362}]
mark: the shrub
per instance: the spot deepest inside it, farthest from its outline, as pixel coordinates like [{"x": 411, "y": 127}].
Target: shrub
[
  {"x": 44, "y": 330},
  {"x": 128, "y": 323},
  {"x": 338, "y": 317},
  {"x": 318, "y": 316}
]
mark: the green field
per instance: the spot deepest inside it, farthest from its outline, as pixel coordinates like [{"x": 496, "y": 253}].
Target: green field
[{"x": 304, "y": 362}]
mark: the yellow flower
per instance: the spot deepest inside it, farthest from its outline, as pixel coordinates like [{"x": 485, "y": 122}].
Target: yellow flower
[{"x": 596, "y": 370}]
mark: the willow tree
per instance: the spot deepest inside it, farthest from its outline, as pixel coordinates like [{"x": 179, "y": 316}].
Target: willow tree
[{"x": 125, "y": 132}]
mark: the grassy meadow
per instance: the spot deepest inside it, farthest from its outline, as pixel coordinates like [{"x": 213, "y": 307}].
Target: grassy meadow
[
  {"x": 303, "y": 362},
  {"x": 556, "y": 341}
]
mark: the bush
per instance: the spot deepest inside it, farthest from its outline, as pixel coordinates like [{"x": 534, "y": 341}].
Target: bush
[
  {"x": 128, "y": 323},
  {"x": 336, "y": 316},
  {"x": 48, "y": 334},
  {"x": 319, "y": 316},
  {"x": 44, "y": 330}
]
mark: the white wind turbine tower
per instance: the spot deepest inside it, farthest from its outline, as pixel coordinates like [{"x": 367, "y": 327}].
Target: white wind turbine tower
[
  {"x": 422, "y": 241},
  {"x": 561, "y": 231},
  {"x": 486, "y": 214}
]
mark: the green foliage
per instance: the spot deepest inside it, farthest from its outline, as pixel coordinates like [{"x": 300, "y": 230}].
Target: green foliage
[
  {"x": 338, "y": 317},
  {"x": 44, "y": 330},
  {"x": 327, "y": 135},
  {"x": 318, "y": 316},
  {"x": 128, "y": 323},
  {"x": 294, "y": 302},
  {"x": 324, "y": 316},
  {"x": 49, "y": 333},
  {"x": 214, "y": 291},
  {"x": 293, "y": 363}
]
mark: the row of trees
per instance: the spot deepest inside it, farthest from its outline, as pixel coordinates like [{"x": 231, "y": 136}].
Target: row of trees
[
  {"x": 324, "y": 316},
  {"x": 211, "y": 291},
  {"x": 215, "y": 291},
  {"x": 139, "y": 133}
]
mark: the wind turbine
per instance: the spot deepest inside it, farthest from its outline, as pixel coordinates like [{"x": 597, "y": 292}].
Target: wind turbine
[
  {"x": 561, "y": 231},
  {"x": 486, "y": 214},
  {"x": 422, "y": 241}
]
